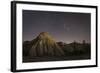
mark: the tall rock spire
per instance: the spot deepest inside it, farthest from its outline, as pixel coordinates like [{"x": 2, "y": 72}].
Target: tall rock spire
[{"x": 45, "y": 45}]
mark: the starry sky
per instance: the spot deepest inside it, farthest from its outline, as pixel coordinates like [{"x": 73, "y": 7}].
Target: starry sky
[{"x": 62, "y": 26}]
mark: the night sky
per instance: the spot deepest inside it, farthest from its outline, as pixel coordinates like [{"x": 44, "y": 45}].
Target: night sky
[{"x": 62, "y": 26}]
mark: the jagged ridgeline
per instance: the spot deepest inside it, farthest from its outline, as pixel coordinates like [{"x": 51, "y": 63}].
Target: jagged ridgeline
[{"x": 43, "y": 45}]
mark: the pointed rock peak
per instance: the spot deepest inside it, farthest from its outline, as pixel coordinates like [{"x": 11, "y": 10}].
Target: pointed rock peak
[{"x": 44, "y": 35}]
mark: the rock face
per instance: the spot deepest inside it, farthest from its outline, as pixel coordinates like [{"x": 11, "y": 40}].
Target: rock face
[{"x": 45, "y": 45}]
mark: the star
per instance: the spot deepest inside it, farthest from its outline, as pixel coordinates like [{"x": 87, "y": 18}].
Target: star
[{"x": 66, "y": 27}]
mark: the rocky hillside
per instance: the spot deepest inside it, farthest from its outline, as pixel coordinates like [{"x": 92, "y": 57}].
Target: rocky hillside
[{"x": 42, "y": 45}]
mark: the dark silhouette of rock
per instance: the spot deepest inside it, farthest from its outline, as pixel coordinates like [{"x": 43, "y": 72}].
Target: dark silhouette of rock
[{"x": 61, "y": 44}]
